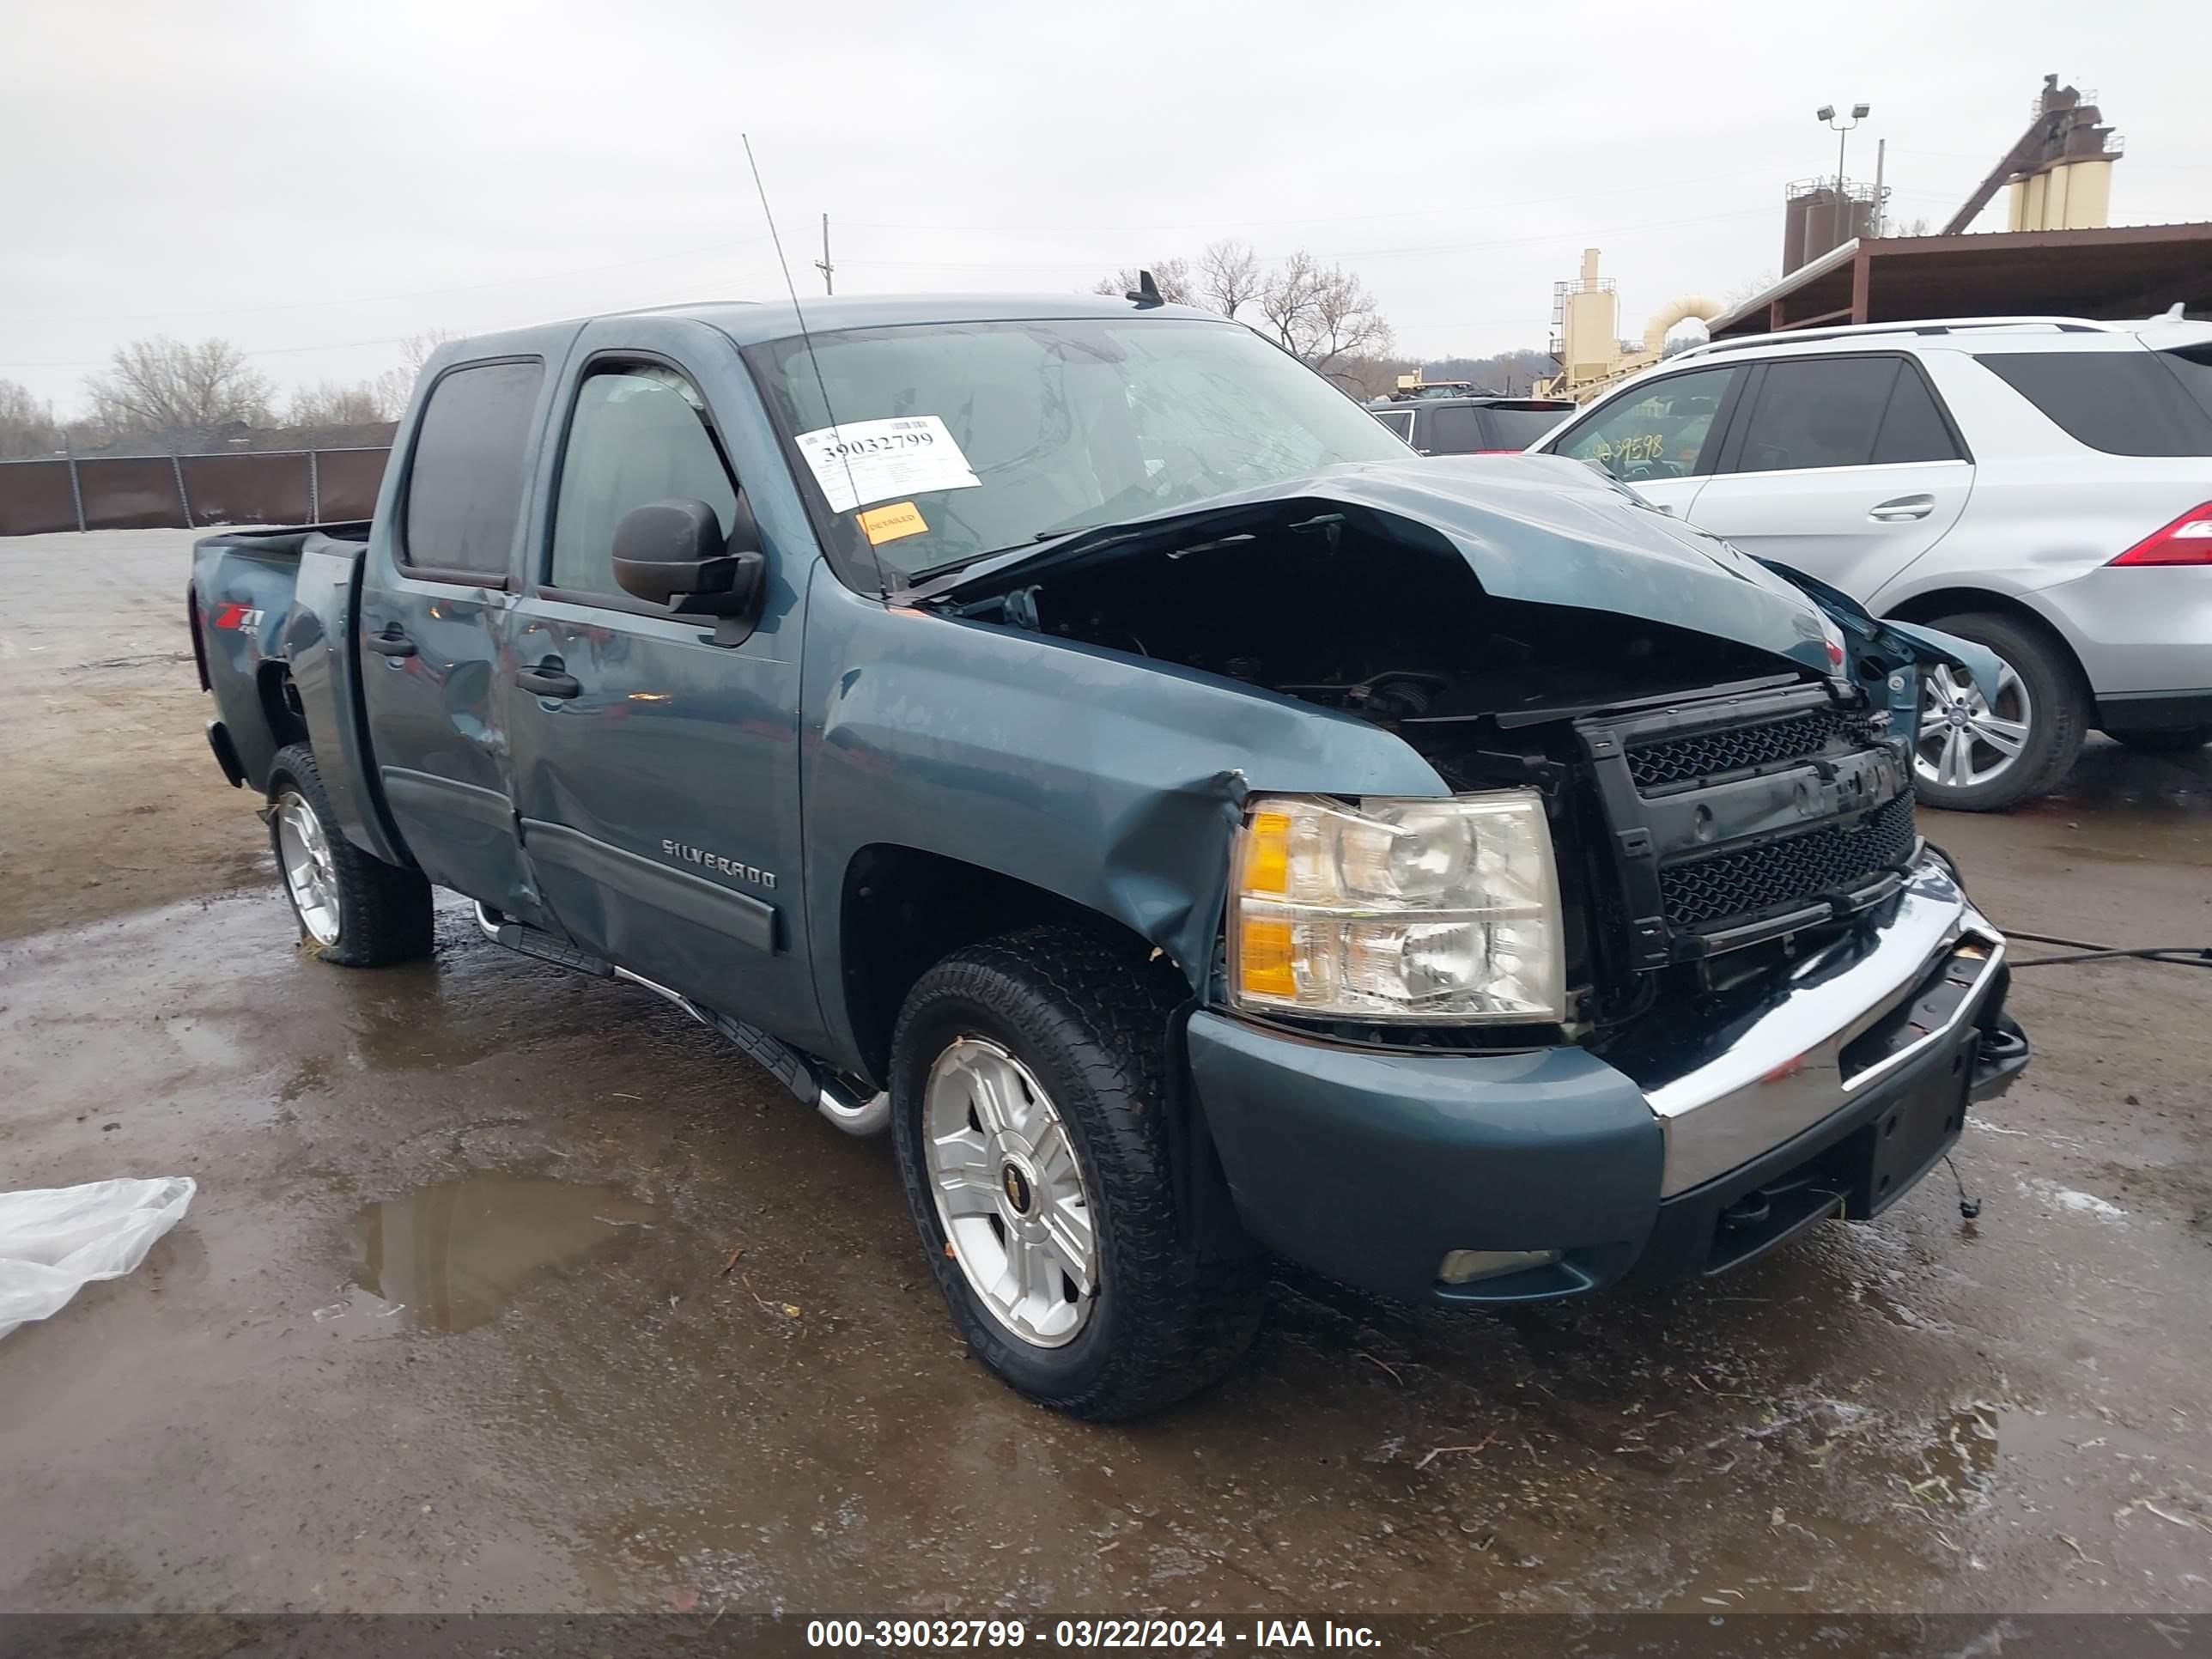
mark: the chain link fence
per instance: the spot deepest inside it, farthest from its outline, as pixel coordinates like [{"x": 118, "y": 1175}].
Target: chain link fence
[{"x": 189, "y": 492}]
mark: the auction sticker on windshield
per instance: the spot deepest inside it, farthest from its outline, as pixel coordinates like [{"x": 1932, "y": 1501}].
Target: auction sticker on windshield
[{"x": 865, "y": 461}]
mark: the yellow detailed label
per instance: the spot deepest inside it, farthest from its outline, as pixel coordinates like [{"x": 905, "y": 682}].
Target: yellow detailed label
[{"x": 887, "y": 524}]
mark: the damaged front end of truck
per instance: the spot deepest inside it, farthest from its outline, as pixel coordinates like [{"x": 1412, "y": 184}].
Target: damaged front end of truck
[
  {"x": 1724, "y": 757},
  {"x": 1720, "y": 756}
]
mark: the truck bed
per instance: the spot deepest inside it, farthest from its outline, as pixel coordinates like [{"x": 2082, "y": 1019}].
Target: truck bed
[{"x": 271, "y": 615}]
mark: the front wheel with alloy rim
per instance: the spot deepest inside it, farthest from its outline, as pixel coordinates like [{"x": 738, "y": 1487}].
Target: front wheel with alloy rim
[
  {"x": 353, "y": 910},
  {"x": 1030, "y": 1112},
  {"x": 1977, "y": 753}
]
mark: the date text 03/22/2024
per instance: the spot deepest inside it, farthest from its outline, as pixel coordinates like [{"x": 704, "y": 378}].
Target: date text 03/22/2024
[{"x": 1252, "y": 1635}]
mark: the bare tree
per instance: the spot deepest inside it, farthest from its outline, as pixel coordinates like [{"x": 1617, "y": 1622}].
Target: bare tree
[
  {"x": 416, "y": 348},
  {"x": 167, "y": 390},
  {"x": 1286, "y": 299},
  {"x": 393, "y": 388},
  {"x": 1346, "y": 323},
  {"x": 1368, "y": 378},
  {"x": 1171, "y": 276},
  {"x": 1228, "y": 276},
  {"x": 26, "y": 425},
  {"x": 1743, "y": 291},
  {"x": 365, "y": 403},
  {"x": 1322, "y": 313}
]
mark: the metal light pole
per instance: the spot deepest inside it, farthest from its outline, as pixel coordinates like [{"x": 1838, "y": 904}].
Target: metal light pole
[{"x": 1826, "y": 113}]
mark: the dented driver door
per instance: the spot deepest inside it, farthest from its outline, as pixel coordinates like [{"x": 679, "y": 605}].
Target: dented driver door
[{"x": 656, "y": 770}]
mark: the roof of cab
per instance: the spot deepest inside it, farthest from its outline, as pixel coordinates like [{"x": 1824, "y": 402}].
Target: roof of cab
[{"x": 749, "y": 324}]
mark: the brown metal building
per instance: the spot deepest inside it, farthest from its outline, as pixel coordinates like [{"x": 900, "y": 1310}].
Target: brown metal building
[{"x": 2123, "y": 270}]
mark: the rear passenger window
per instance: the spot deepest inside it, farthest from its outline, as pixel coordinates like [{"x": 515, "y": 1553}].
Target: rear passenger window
[
  {"x": 1912, "y": 427},
  {"x": 1454, "y": 431},
  {"x": 1826, "y": 412},
  {"x": 639, "y": 434},
  {"x": 466, "y": 481},
  {"x": 2125, "y": 403}
]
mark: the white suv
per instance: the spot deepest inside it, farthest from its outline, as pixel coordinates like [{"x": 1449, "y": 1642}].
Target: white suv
[{"x": 2040, "y": 485}]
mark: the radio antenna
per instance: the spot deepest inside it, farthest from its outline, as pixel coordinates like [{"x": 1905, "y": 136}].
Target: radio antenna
[{"x": 806, "y": 339}]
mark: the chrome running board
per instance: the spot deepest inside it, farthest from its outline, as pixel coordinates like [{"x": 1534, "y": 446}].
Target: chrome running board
[{"x": 808, "y": 1079}]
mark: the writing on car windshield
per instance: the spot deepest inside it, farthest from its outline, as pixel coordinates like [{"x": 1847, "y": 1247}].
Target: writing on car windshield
[
  {"x": 938, "y": 443},
  {"x": 1658, "y": 436}
]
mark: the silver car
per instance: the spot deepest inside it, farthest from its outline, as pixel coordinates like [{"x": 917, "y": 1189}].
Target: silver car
[{"x": 2040, "y": 485}]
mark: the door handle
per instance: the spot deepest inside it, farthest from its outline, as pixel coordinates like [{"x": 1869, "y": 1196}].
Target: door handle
[
  {"x": 391, "y": 643},
  {"x": 549, "y": 679},
  {"x": 1903, "y": 510}
]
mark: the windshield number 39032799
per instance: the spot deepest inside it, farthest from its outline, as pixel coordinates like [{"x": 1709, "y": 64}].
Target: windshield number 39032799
[{"x": 879, "y": 444}]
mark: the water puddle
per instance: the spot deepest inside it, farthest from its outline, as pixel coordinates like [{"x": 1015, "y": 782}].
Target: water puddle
[
  {"x": 452, "y": 1254},
  {"x": 1959, "y": 1457}
]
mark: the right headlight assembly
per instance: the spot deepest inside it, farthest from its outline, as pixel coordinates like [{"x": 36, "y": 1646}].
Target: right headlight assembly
[{"x": 1434, "y": 911}]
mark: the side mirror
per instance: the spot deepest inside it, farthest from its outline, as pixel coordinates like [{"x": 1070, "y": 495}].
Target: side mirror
[{"x": 674, "y": 553}]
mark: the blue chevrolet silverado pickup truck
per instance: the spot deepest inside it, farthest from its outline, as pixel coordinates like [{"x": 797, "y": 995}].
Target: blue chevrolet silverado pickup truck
[{"x": 1073, "y": 736}]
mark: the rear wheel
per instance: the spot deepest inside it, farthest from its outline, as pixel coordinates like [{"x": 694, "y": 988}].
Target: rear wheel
[
  {"x": 353, "y": 909},
  {"x": 1029, "y": 1109},
  {"x": 1975, "y": 753},
  {"x": 2174, "y": 740}
]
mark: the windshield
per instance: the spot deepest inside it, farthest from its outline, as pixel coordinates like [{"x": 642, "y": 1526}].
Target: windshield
[{"x": 955, "y": 439}]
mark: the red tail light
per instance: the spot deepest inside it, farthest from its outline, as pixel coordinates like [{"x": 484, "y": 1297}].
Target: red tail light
[{"x": 2187, "y": 540}]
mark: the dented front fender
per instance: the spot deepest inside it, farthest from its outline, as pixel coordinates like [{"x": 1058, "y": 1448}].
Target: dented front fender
[{"x": 1117, "y": 787}]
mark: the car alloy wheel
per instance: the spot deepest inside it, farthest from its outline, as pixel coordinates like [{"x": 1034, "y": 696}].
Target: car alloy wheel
[
  {"x": 1965, "y": 739},
  {"x": 305, "y": 852},
  {"x": 1009, "y": 1193}
]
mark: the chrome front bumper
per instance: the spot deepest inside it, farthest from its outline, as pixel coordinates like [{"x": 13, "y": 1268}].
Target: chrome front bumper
[{"x": 1763, "y": 1080}]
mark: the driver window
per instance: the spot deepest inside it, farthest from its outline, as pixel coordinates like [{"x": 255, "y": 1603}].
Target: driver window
[
  {"x": 1658, "y": 435},
  {"x": 639, "y": 434}
]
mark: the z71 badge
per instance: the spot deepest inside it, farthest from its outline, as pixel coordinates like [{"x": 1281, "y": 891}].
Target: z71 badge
[{"x": 751, "y": 872}]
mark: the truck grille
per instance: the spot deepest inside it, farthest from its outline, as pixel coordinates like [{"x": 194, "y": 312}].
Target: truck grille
[
  {"x": 1654, "y": 765},
  {"x": 1781, "y": 874}
]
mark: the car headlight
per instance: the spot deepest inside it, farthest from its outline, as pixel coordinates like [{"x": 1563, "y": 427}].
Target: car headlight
[{"x": 1435, "y": 911}]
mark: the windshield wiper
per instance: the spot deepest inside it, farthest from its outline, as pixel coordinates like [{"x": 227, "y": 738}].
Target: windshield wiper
[
  {"x": 916, "y": 579},
  {"x": 952, "y": 565},
  {"x": 949, "y": 568}
]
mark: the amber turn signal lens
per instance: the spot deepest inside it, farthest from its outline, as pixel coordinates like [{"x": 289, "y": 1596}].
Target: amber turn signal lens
[
  {"x": 1263, "y": 959},
  {"x": 1268, "y": 859}
]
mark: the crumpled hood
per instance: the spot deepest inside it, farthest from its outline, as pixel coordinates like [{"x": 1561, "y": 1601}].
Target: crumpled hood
[{"x": 1536, "y": 528}]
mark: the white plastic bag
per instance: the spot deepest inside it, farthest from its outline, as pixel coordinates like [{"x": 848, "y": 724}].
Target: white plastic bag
[{"x": 56, "y": 1240}]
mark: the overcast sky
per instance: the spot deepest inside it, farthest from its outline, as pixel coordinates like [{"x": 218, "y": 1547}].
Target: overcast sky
[{"x": 314, "y": 181}]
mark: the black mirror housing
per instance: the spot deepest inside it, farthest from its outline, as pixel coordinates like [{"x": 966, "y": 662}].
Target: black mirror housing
[
  {"x": 673, "y": 553},
  {"x": 661, "y": 548}
]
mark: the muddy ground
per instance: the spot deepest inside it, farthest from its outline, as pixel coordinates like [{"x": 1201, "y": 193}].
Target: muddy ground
[{"x": 508, "y": 1291}]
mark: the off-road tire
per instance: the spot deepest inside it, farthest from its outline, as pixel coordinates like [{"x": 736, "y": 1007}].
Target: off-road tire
[
  {"x": 384, "y": 912},
  {"x": 1180, "y": 1287},
  {"x": 2173, "y": 740},
  {"x": 2060, "y": 705}
]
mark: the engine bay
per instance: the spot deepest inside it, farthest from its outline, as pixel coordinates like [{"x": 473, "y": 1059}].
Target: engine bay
[{"x": 1378, "y": 617}]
